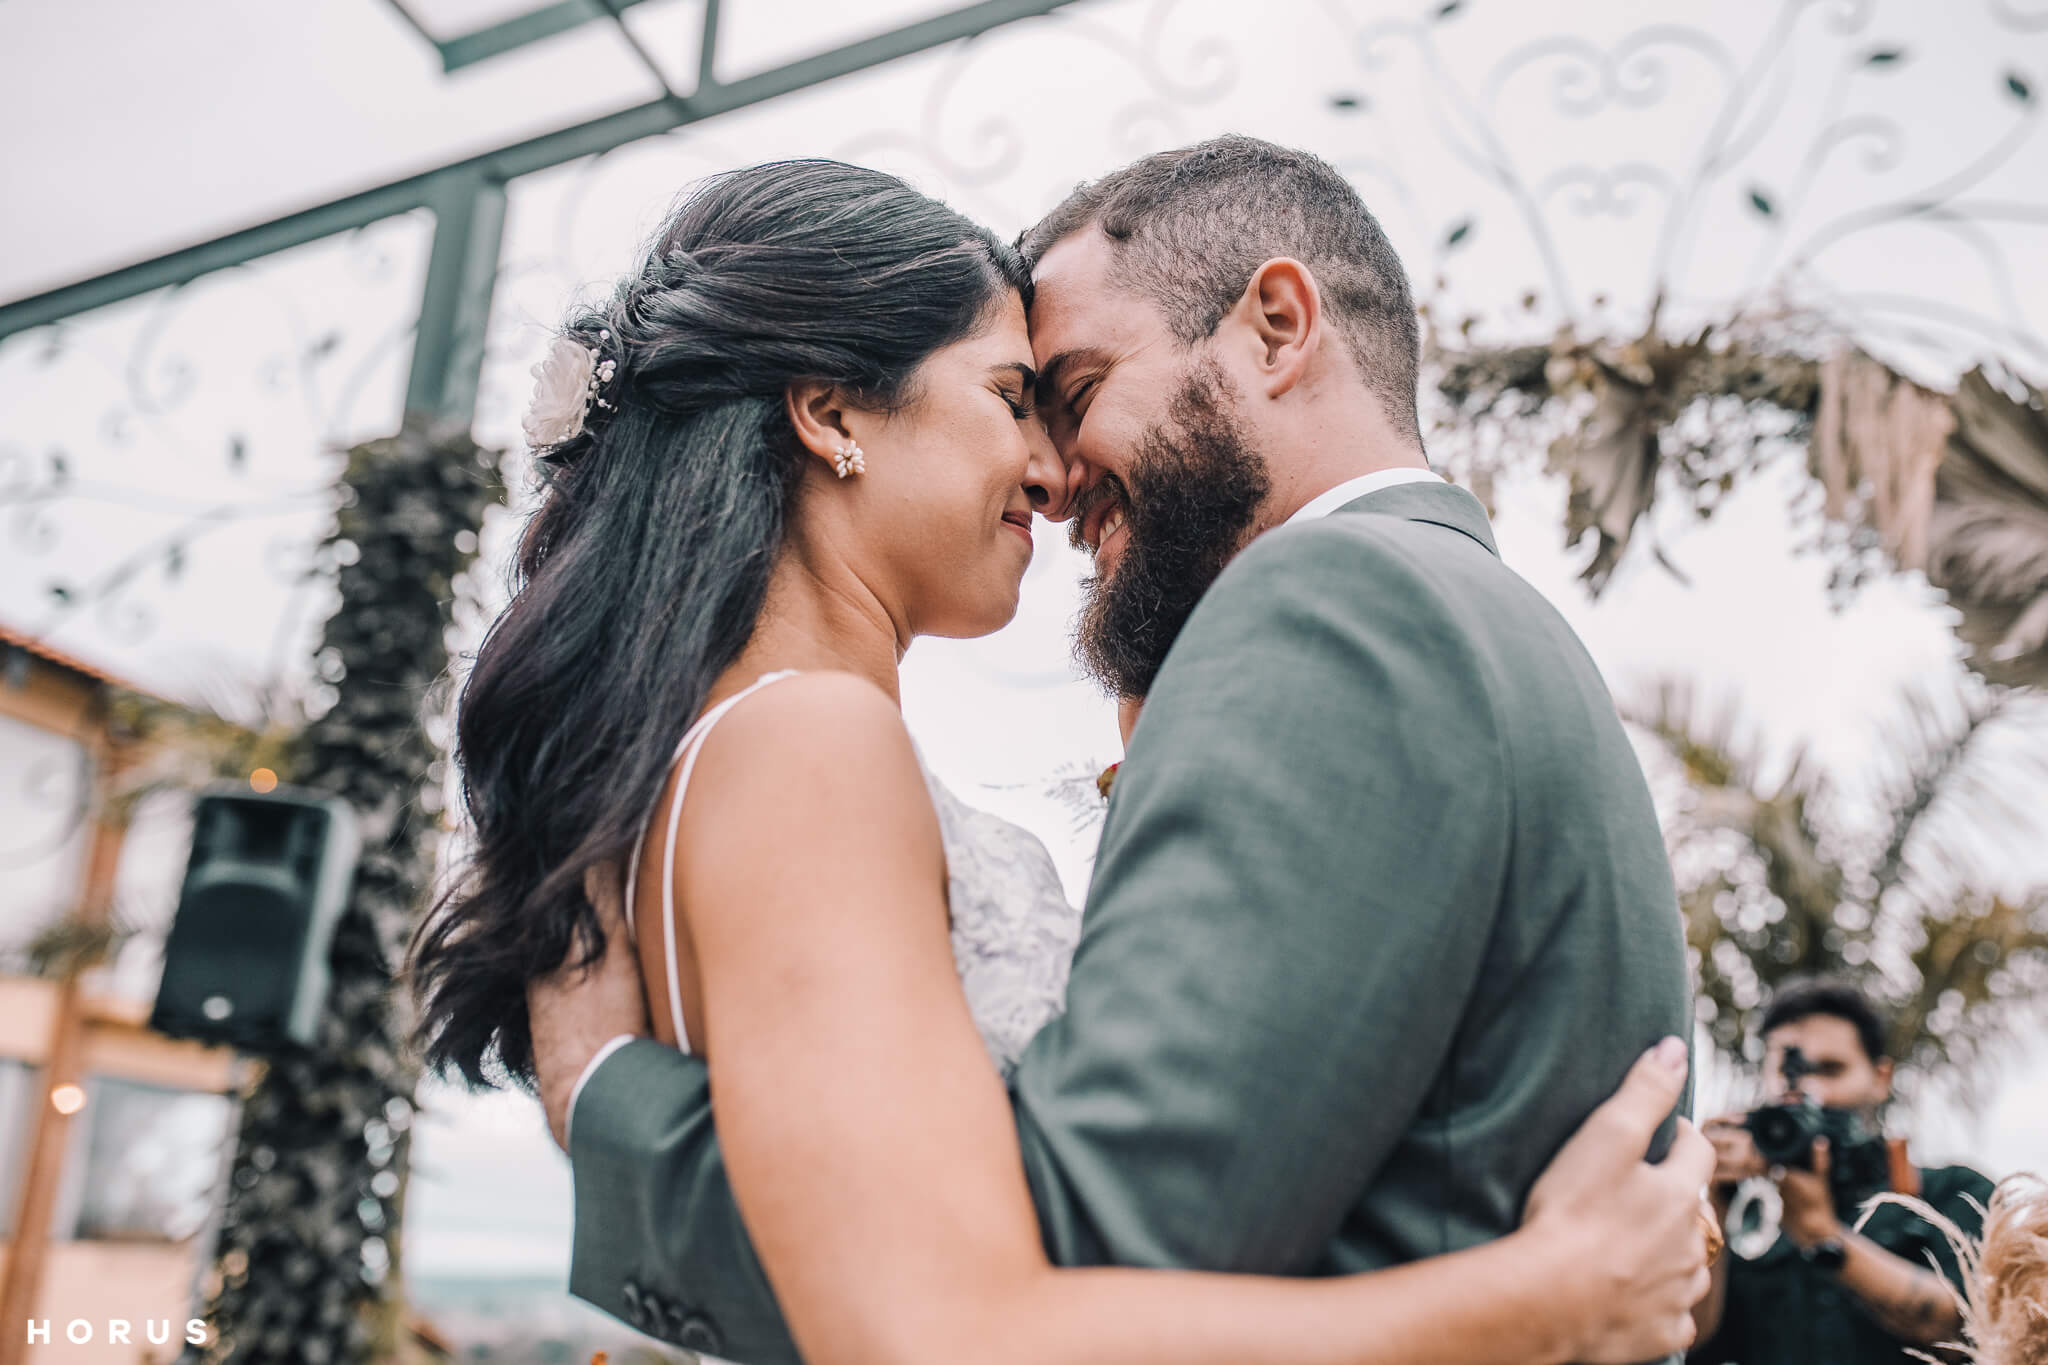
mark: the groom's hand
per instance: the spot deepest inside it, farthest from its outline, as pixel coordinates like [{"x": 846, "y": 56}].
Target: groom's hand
[{"x": 576, "y": 1012}]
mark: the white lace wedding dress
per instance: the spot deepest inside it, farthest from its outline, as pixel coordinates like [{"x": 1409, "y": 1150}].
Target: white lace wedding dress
[{"x": 1013, "y": 928}]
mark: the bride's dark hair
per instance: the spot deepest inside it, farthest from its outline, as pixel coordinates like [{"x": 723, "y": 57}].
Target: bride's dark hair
[{"x": 641, "y": 574}]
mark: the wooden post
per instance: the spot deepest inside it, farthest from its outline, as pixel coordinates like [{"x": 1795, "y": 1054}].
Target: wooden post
[
  {"x": 35, "y": 1202},
  {"x": 44, "y": 1172}
]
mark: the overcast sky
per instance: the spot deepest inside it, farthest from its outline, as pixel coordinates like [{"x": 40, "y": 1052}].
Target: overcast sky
[{"x": 137, "y": 128}]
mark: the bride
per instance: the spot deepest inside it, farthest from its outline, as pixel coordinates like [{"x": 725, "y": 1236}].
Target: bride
[{"x": 800, "y": 436}]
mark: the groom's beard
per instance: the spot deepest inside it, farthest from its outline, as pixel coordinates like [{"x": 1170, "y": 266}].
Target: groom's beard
[{"x": 1189, "y": 499}]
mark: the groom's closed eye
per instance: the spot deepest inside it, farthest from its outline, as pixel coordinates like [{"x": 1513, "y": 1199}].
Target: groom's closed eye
[
  {"x": 1067, "y": 371},
  {"x": 1064, "y": 386},
  {"x": 1064, "y": 418}
]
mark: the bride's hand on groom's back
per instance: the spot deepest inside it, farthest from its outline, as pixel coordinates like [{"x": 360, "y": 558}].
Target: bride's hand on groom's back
[
  {"x": 1632, "y": 1231},
  {"x": 574, "y": 1013}
]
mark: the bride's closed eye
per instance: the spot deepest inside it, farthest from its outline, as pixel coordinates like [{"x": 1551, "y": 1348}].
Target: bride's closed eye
[{"x": 1017, "y": 385}]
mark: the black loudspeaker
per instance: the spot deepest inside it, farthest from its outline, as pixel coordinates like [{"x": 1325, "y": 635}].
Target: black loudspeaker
[{"x": 246, "y": 961}]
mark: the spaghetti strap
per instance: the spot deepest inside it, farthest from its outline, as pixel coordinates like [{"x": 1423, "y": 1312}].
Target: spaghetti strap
[{"x": 687, "y": 749}]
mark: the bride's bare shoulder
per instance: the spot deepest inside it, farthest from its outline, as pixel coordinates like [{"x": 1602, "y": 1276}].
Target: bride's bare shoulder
[
  {"x": 814, "y": 736},
  {"x": 809, "y": 782},
  {"x": 820, "y": 702}
]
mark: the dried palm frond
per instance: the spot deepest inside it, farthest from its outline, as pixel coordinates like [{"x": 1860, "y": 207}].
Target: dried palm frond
[
  {"x": 1878, "y": 439},
  {"x": 2004, "y": 1299},
  {"x": 1953, "y": 485}
]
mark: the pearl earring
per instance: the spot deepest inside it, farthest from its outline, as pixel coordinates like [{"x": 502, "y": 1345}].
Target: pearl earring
[{"x": 849, "y": 460}]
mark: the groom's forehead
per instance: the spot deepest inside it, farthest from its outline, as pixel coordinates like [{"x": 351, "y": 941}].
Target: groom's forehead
[{"x": 1079, "y": 303}]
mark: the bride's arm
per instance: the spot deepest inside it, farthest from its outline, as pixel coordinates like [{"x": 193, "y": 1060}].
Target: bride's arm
[{"x": 872, "y": 1150}]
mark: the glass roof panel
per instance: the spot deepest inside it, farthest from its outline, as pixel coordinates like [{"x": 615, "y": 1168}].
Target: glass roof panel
[
  {"x": 673, "y": 35},
  {"x": 209, "y": 117},
  {"x": 173, "y": 453}
]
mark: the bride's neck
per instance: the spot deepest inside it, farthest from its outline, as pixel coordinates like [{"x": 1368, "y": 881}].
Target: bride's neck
[{"x": 818, "y": 615}]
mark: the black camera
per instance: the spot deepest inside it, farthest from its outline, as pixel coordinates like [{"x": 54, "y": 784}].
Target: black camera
[{"x": 1859, "y": 1162}]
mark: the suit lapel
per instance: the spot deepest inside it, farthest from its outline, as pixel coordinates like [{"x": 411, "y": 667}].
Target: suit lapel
[{"x": 1440, "y": 504}]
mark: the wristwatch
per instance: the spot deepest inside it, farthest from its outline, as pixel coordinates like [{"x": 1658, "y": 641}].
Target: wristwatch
[{"x": 1830, "y": 1255}]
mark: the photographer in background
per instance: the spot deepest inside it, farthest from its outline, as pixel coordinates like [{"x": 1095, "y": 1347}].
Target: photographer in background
[{"x": 1821, "y": 1292}]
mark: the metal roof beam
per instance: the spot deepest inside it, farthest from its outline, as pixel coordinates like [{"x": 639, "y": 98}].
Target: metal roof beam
[
  {"x": 524, "y": 29},
  {"x": 707, "y": 50},
  {"x": 462, "y": 277},
  {"x": 509, "y": 162}
]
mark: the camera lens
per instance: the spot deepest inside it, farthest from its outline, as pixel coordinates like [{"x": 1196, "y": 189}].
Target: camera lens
[{"x": 1784, "y": 1133}]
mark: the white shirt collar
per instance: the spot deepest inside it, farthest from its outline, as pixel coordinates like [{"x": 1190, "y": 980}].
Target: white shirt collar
[{"x": 1351, "y": 490}]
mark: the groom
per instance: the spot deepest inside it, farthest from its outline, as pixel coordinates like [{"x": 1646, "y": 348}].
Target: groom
[{"x": 1381, "y": 910}]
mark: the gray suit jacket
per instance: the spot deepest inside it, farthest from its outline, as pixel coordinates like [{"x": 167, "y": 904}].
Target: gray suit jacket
[{"x": 1381, "y": 913}]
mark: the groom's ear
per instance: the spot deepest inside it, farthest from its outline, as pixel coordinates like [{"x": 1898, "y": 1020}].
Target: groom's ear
[
  {"x": 818, "y": 413},
  {"x": 1281, "y": 315}
]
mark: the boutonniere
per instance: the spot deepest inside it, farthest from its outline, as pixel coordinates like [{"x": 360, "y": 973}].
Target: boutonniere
[{"x": 1105, "y": 779}]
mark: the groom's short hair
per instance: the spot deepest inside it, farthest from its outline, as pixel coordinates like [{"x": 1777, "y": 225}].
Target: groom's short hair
[{"x": 1192, "y": 225}]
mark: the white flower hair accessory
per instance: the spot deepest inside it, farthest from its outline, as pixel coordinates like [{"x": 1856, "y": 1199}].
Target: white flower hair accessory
[{"x": 566, "y": 382}]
